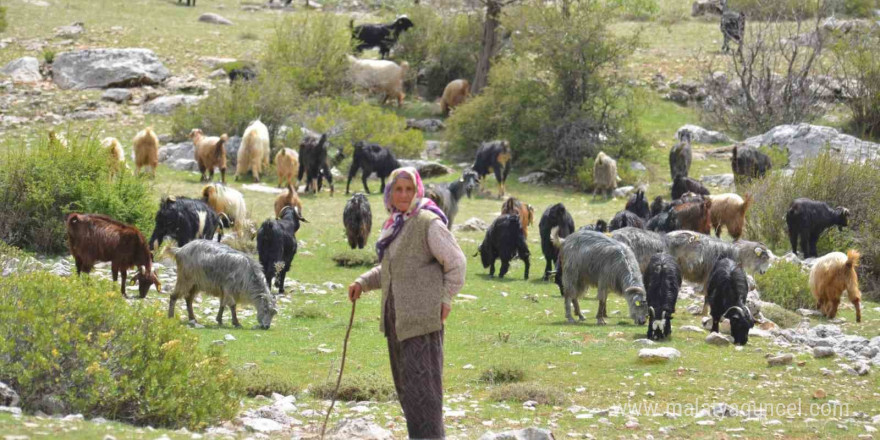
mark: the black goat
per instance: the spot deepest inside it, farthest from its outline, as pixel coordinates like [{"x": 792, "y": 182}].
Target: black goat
[
  {"x": 313, "y": 163},
  {"x": 665, "y": 221},
  {"x": 600, "y": 226},
  {"x": 383, "y": 36},
  {"x": 658, "y": 206},
  {"x": 184, "y": 220},
  {"x": 680, "y": 155},
  {"x": 245, "y": 73},
  {"x": 505, "y": 240},
  {"x": 808, "y": 219},
  {"x": 276, "y": 245},
  {"x": 727, "y": 292},
  {"x": 447, "y": 195},
  {"x": 187, "y": 2},
  {"x": 495, "y": 155},
  {"x": 682, "y": 185},
  {"x": 369, "y": 158},
  {"x": 733, "y": 27},
  {"x": 626, "y": 218},
  {"x": 748, "y": 163},
  {"x": 662, "y": 283},
  {"x": 555, "y": 216},
  {"x": 638, "y": 205},
  {"x": 358, "y": 220}
]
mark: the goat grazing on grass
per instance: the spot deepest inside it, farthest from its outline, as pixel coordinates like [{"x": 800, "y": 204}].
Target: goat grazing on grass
[
  {"x": 184, "y": 220},
  {"x": 494, "y": 155},
  {"x": 276, "y": 245},
  {"x": 625, "y": 218},
  {"x": 225, "y": 200},
  {"x": 682, "y": 185},
  {"x": 557, "y": 218},
  {"x": 313, "y": 163},
  {"x": 662, "y": 278},
  {"x": 93, "y": 237},
  {"x": 225, "y": 273},
  {"x": 830, "y": 276},
  {"x": 369, "y": 158},
  {"x": 454, "y": 95},
  {"x": 638, "y": 205},
  {"x": 644, "y": 244},
  {"x": 505, "y": 240},
  {"x": 728, "y": 288},
  {"x": 210, "y": 152},
  {"x": 116, "y": 159},
  {"x": 286, "y": 165},
  {"x": 383, "y": 36},
  {"x": 807, "y": 219},
  {"x": 694, "y": 216},
  {"x": 379, "y": 76},
  {"x": 588, "y": 258},
  {"x": 524, "y": 211},
  {"x": 146, "y": 150},
  {"x": 729, "y": 210},
  {"x": 748, "y": 163},
  {"x": 680, "y": 155},
  {"x": 604, "y": 175},
  {"x": 447, "y": 195},
  {"x": 358, "y": 220},
  {"x": 288, "y": 197},
  {"x": 253, "y": 154}
]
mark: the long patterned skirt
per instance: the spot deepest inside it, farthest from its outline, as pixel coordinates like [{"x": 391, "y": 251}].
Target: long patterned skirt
[{"x": 417, "y": 367}]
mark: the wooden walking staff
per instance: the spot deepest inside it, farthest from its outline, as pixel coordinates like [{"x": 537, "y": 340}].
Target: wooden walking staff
[{"x": 341, "y": 369}]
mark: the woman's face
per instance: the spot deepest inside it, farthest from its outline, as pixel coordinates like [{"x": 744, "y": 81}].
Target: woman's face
[{"x": 402, "y": 193}]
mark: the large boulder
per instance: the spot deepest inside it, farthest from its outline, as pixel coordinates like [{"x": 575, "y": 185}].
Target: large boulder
[
  {"x": 179, "y": 156},
  {"x": 804, "y": 141},
  {"x": 165, "y": 105},
  {"x": 703, "y": 7},
  {"x": 522, "y": 434},
  {"x": 8, "y": 396},
  {"x": 702, "y": 136},
  {"x": 102, "y": 68},
  {"x": 23, "y": 70}
]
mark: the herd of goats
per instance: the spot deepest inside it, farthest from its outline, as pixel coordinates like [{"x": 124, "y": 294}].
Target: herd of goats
[{"x": 643, "y": 253}]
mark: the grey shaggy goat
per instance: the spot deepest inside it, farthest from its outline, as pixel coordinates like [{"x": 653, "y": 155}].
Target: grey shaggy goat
[
  {"x": 219, "y": 270},
  {"x": 644, "y": 244},
  {"x": 697, "y": 253},
  {"x": 588, "y": 258}
]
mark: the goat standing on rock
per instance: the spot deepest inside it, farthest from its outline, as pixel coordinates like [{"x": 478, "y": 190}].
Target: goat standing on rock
[{"x": 807, "y": 219}]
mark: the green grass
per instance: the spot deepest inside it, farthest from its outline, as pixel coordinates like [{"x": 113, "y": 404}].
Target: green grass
[{"x": 524, "y": 328}]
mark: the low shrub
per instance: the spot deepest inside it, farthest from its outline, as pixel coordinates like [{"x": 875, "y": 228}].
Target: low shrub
[
  {"x": 48, "y": 56},
  {"x": 309, "y": 312},
  {"x": 781, "y": 316},
  {"x": 778, "y": 155},
  {"x": 254, "y": 382},
  {"x": 357, "y": 388},
  {"x": 786, "y": 284},
  {"x": 826, "y": 178},
  {"x": 71, "y": 345},
  {"x": 503, "y": 374},
  {"x": 41, "y": 184},
  {"x": 523, "y": 392},
  {"x": 351, "y": 258}
]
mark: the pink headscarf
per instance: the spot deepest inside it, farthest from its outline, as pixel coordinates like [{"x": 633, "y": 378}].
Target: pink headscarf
[{"x": 392, "y": 227}]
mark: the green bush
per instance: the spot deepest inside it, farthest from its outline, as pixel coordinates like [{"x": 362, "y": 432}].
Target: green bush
[
  {"x": 786, "y": 284},
  {"x": 310, "y": 50},
  {"x": 351, "y": 258},
  {"x": 444, "y": 47},
  {"x": 780, "y": 316},
  {"x": 230, "y": 109},
  {"x": 72, "y": 345},
  {"x": 503, "y": 374},
  {"x": 40, "y": 185},
  {"x": 254, "y": 382},
  {"x": 778, "y": 155},
  {"x": 48, "y": 56},
  {"x": 829, "y": 179},
  {"x": 2, "y": 18},
  {"x": 357, "y": 388},
  {"x": 858, "y": 62},
  {"x": 350, "y": 123},
  {"x": 859, "y": 8}
]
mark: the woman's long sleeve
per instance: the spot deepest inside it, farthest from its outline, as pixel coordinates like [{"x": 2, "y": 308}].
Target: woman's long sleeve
[
  {"x": 446, "y": 250},
  {"x": 371, "y": 279}
]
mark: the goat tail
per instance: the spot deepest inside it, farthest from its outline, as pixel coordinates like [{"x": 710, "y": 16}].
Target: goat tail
[
  {"x": 220, "y": 149},
  {"x": 554, "y": 237},
  {"x": 747, "y": 201},
  {"x": 404, "y": 65},
  {"x": 852, "y": 258}
]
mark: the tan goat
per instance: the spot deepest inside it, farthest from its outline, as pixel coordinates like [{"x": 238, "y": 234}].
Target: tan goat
[
  {"x": 287, "y": 165},
  {"x": 454, "y": 94},
  {"x": 210, "y": 152},
  {"x": 830, "y": 276},
  {"x": 288, "y": 198},
  {"x": 729, "y": 210},
  {"x": 146, "y": 150}
]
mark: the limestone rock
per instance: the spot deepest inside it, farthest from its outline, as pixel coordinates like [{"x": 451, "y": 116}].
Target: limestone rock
[
  {"x": 102, "y": 68},
  {"x": 530, "y": 433},
  {"x": 805, "y": 141},
  {"x": 472, "y": 224},
  {"x": 212, "y": 18},
  {"x": 359, "y": 429},
  {"x": 165, "y": 105},
  {"x": 661, "y": 354},
  {"x": 783, "y": 359},
  {"x": 116, "y": 95},
  {"x": 718, "y": 339},
  {"x": 428, "y": 125},
  {"x": 8, "y": 396},
  {"x": 427, "y": 169},
  {"x": 702, "y": 136},
  {"x": 23, "y": 70}
]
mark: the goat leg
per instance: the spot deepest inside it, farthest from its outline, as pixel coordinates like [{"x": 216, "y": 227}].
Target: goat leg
[
  {"x": 577, "y": 309},
  {"x": 124, "y": 274},
  {"x": 364, "y": 180},
  {"x": 568, "y": 316},
  {"x": 492, "y": 270},
  {"x": 548, "y": 267},
  {"x": 714, "y": 325},
  {"x": 234, "y": 316},
  {"x": 220, "y": 314},
  {"x": 223, "y": 176},
  {"x": 189, "y": 309},
  {"x": 600, "y": 319},
  {"x": 528, "y": 265},
  {"x": 505, "y": 266}
]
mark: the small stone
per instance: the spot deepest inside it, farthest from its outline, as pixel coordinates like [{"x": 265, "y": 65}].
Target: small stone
[
  {"x": 632, "y": 424},
  {"x": 706, "y": 423},
  {"x": 784, "y": 359},
  {"x": 73, "y": 418},
  {"x": 468, "y": 367},
  {"x": 822, "y": 352},
  {"x": 229, "y": 337},
  {"x": 819, "y": 394},
  {"x": 660, "y": 354},
  {"x": 691, "y": 328},
  {"x": 643, "y": 341},
  {"x": 210, "y": 17},
  {"x": 718, "y": 339}
]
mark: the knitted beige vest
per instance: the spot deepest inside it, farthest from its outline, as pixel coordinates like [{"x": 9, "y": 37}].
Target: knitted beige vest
[{"x": 416, "y": 278}]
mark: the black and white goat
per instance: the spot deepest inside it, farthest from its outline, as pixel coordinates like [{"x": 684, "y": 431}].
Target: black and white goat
[
  {"x": 557, "y": 218},
  {"x": 276, "y": 245},
  {"x": 662, "y": 283},
  {"x": 807, "y": 219},
  {"x": 369, "y": 158},
  {"x": 505, "y": 240},
  {"x": 184, "y": 220},
  {"x": 728, "y": 289},
  {"x": 494, "y": 155},
  {"x": 383, "y": 36},
  {"x": 447, "y": 195},
  {"x": 358, "y": 220}
]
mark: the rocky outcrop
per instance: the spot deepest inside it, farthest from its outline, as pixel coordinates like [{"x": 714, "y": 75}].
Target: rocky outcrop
[
  {"x": 23, "y": 70},
  {"x": 102, "y": 68},
  {"x": 805, "y": 141},
  {"x": 165, "y": 105}
]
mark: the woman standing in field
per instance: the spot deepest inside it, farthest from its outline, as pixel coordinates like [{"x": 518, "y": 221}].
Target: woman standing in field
[{"x": 420, "y": 269}]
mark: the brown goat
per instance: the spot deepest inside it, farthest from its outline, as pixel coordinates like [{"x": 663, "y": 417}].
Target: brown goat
[
  {"x": 454, "y": 94},
  {"x": 95, "y": 237},
  {"x": 525, "y": 212},
  {"x": 287, "y": 165},
  {"x": 694, "y": 216},
  {"x": 146, "y": 150},
  {"x": 830, "y": 276},
  {"x": 288, "y": 198},
  {"x": 729, "y": 210},
  {"x": 210, "y": 152}
]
